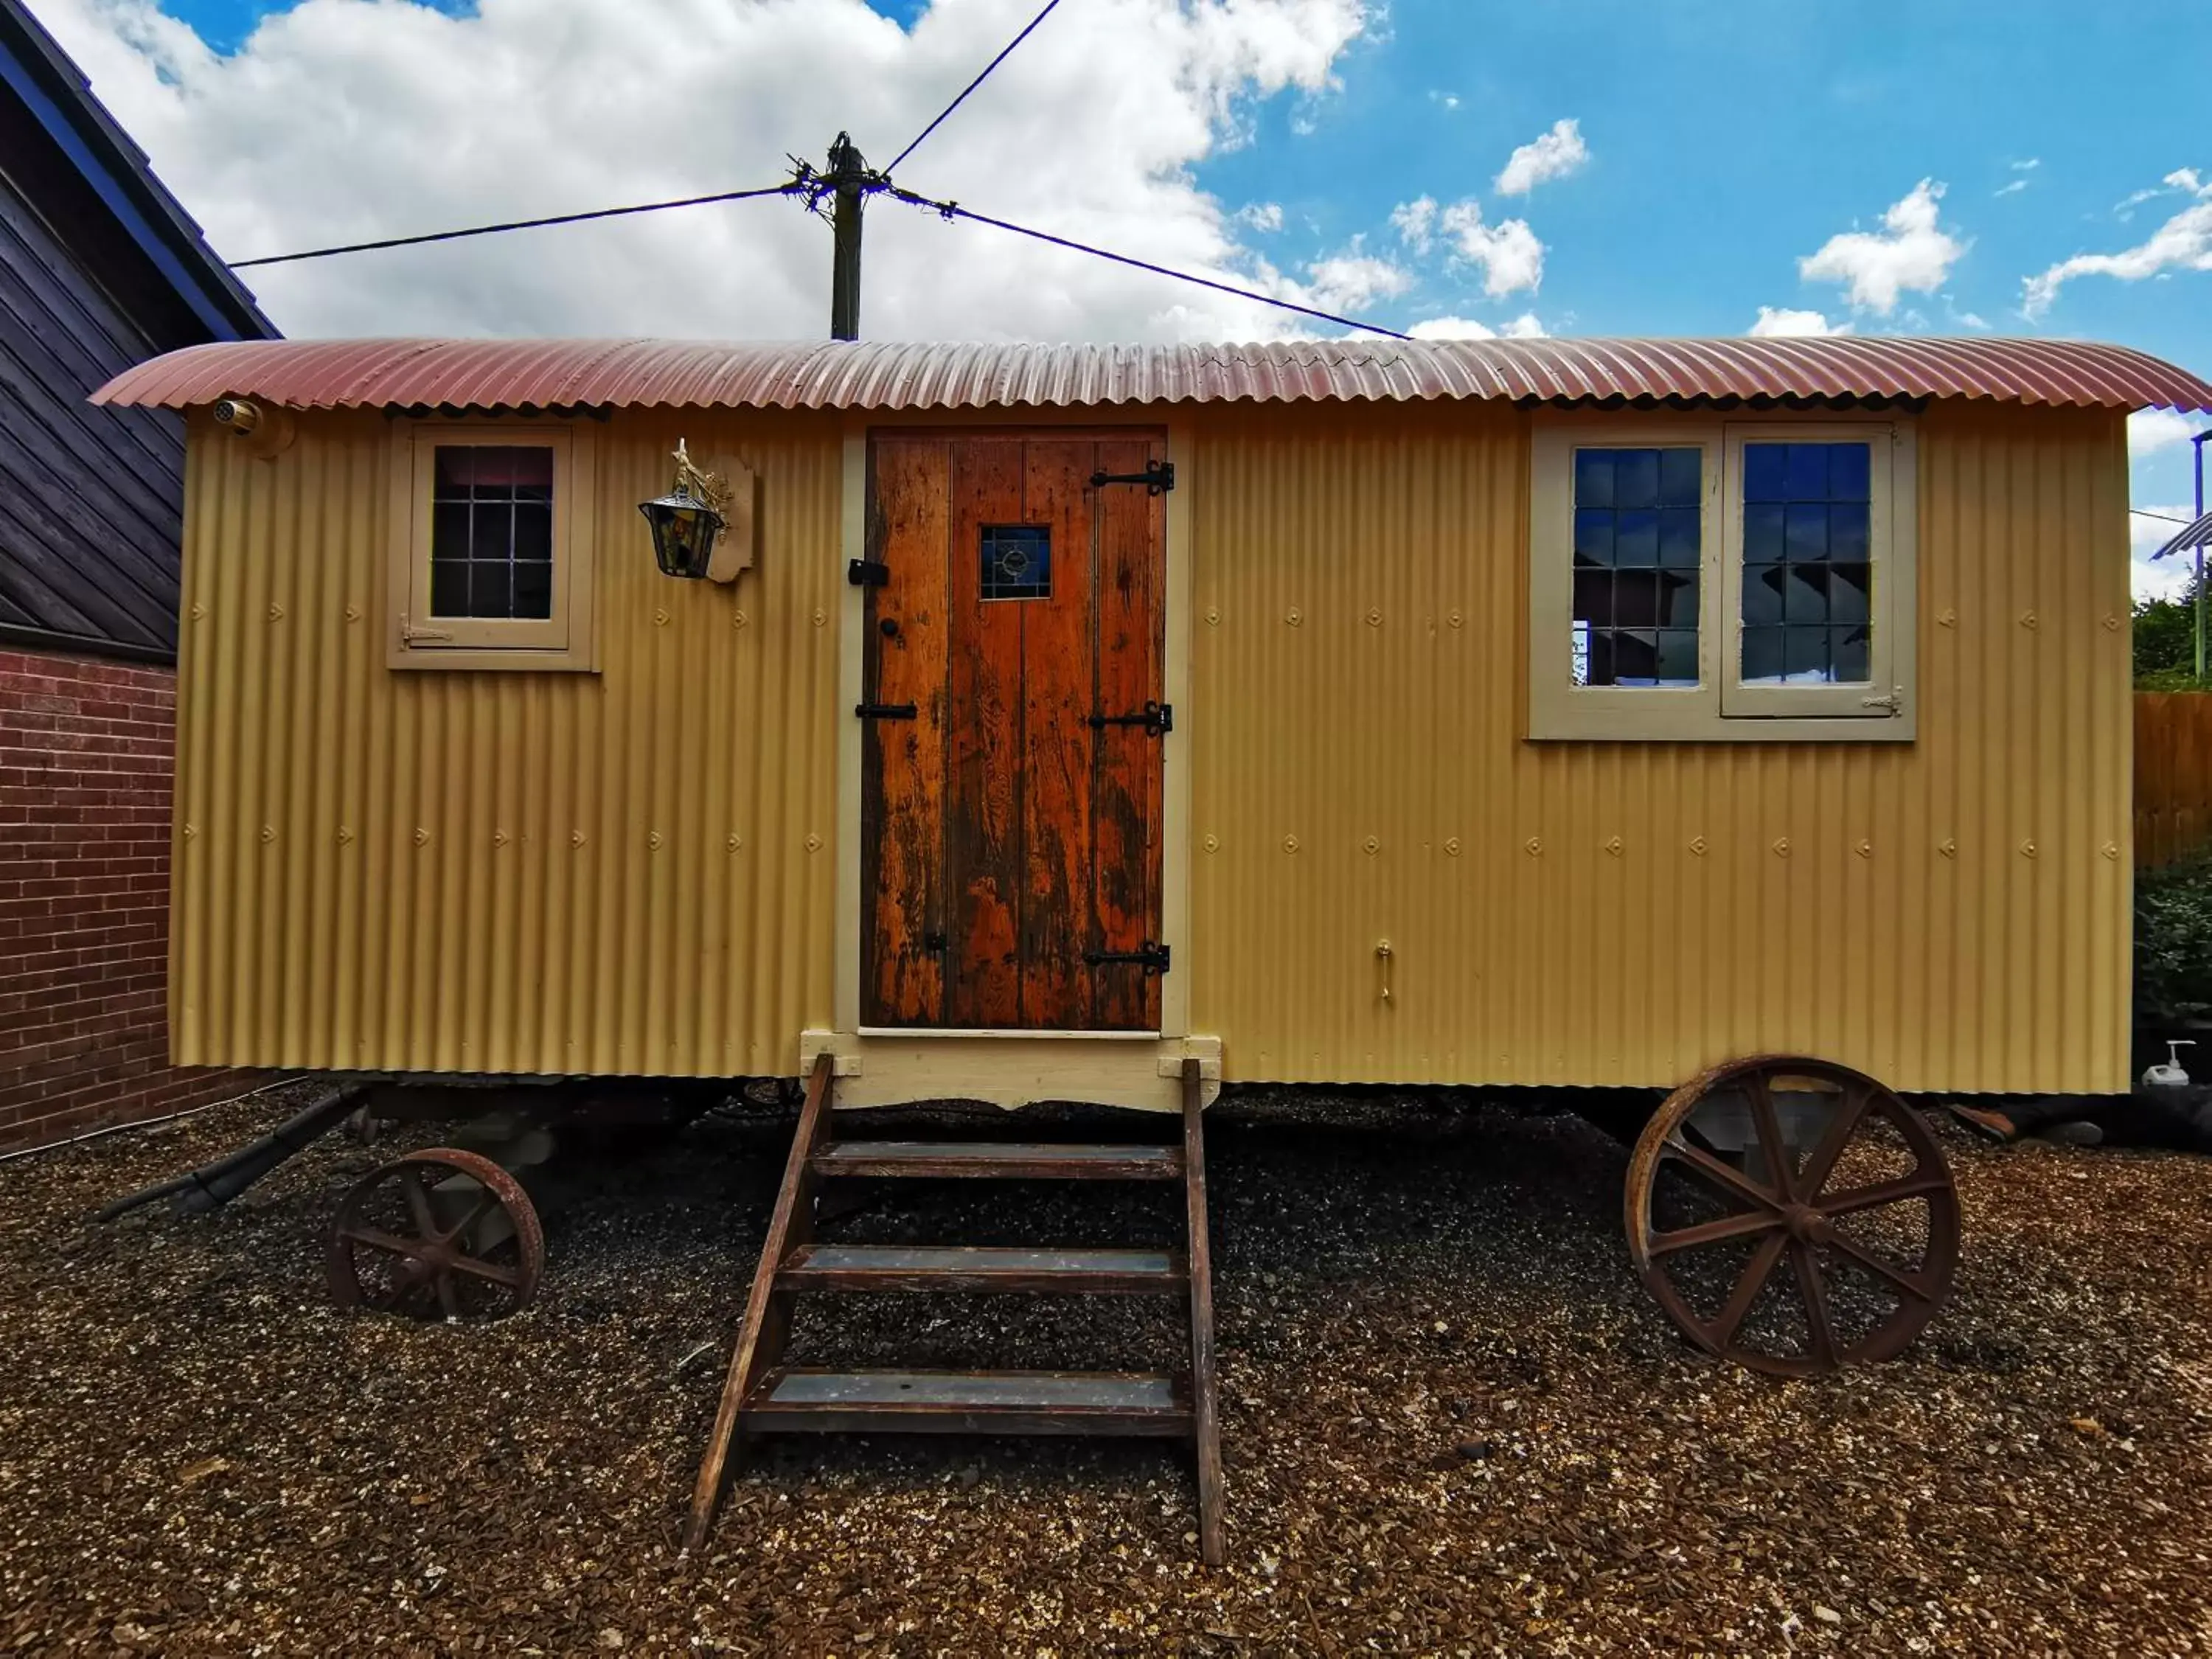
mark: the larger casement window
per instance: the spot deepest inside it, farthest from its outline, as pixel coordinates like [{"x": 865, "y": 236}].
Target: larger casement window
[
  {"x": 1722, "y": 579},
  {"x": 490, "y": 553}
]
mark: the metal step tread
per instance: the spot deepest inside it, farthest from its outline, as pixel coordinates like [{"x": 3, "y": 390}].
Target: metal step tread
[
  {"x": 969, "y": 1268},
  {"x": 1006, "y": 1160},
  {"x": 806, "y": 1397}
]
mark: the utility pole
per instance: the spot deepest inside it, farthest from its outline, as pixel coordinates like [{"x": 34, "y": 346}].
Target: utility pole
[{"x": 848, "y": 176}]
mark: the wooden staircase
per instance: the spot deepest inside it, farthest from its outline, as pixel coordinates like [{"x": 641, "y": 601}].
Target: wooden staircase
[{"x": 763, "y": 1396}]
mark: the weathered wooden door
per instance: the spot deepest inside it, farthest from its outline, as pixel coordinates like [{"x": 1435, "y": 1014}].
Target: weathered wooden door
[{"x": 1011, "y": 807}]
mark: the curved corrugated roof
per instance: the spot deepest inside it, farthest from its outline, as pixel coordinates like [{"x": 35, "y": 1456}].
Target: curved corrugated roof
[{"x": 510, "y": 373}]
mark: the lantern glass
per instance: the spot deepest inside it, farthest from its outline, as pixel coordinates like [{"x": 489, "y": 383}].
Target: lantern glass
[{"x": 683, "y": 533}]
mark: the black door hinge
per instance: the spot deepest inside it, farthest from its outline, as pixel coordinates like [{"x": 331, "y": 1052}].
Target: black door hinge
[
  {"x": 1157, "y": 718},
  {"x": 1157, "y": 479},
  {"x": 1153, "y": 958},
  {"x": 867, "y": 573},
  {"x": 886, "y": 711}
]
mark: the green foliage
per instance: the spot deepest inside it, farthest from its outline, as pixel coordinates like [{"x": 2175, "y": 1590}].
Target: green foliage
[
  {"x": 2166, "y": 644},
  {"x": 2173, "y": 942}
]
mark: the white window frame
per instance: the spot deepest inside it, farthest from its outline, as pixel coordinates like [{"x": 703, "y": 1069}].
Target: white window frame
[
  {"x": 1721, "y": 707},
  {"x": 419, "y": 639}
]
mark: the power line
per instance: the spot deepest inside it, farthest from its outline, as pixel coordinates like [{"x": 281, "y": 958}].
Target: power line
[
  {"x": 2143, "y": 513},
  {"x": 954, "y": 210},
  {"x": 514, "y": 224},
  {"x": 971, "y": 86}
]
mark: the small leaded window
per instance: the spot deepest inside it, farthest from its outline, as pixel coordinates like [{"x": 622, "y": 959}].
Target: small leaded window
[
  {"x": 1808, "y": 574},
  {"x": 1637, "y": 544},
  {"x": 491, "y": 532},
  {"x": 1016, "y": 561}
]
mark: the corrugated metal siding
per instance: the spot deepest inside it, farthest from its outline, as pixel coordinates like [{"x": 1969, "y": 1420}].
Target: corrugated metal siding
[
  {"x": 894, "y": 375},
  {"x": 627, "y": 872},
  {"x": 1950, "y": 914}
]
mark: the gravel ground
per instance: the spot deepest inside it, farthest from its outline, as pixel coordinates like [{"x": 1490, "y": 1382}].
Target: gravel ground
[{"x": 1452, "y": 1423}]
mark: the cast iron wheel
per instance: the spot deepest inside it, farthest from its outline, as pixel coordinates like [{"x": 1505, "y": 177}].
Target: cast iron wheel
[
  {"x": 438, "y": 1233},
  {"x": 1782, "y": 1158}
]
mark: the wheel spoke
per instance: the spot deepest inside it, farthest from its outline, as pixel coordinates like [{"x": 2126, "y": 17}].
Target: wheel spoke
[
  {"x": 1723, "y": 1328},
  {"x": 506, "y": 1276},
  {"x": 1719, "y": 1174},
  {"x": 1814, "y": 1295},
  {"x": 402, "y": 1285},
  {"x": 1907, "y": 1283},
  {"x": 418, "y": 1202},
  {"x": 1822, "y": 1162},
  {"x": 1709, "y": 1232},
  {"x": 1768, "y": 1122},
  {"x": 1922, "y": 1182},
  {"x": 376, "y": 1238}
]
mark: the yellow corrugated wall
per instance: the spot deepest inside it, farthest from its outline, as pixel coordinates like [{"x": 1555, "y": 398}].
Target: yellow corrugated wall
[
  {"x": 627, "y": 871},
  {"x": 1950, "y": 914}
]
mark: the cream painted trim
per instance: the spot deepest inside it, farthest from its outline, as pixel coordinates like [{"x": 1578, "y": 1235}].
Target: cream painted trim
[
  {"x": 902, "y": 1068},
  {"x": 1557, "y": 708},
  {"x": 1175, "y": 787},
  {"x": 995, "y": 1034},
  {"x": 563, "y": 642}
]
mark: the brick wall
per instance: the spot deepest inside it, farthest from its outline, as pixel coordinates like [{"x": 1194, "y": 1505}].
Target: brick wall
[{"x": 87, "y": 758}]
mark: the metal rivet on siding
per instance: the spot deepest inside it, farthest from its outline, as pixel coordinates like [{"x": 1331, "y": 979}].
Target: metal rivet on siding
[
  {"x": 1375, "y": 619},
  {"x": 345, "y": 836},
  {"x": 1535, "y": 846},
  {"x": 1781, "y": 847},
  {"x": 1947, "y": 619},
  {"x": 2027, "y": 849},
  {"x": 813, "y": 843},
  {"x": 275, "y": 613},
  {"x": 1451, "y": 848},
  {"x": 820, "y": 617},
  {"x": 1213, "y": 843},
  {"x": 1289, "y": 843},
  {"x": 499, "y": 837},
  {"x": 2112, "y": 849},
  {"x": 1613, "y": 847},
  {"x": 575, "y": 838},
  {"x": 1865, "y": 849},
  {"x": 1698, "y": 845},
  {"x": 353, "y": 613},
  {"x": 1295, "y": 618},
  {"x": 739, "y": 620},
  {"x": 422, "y": 837},
  {"x": 735, "y": 843},
  {"x": 191, "y": 831},
  {"x": 198, "y": 611},
  {"x": 2112, "y": 624},
  {"x": 1949, "y": 849},
  {"x": 1213, "y": 616},
  {"x": 2028, "y": 619},
  {"x": 1373, "y": 844},
  {"x": 660, "y": 619},
  {"x": 652, "y": 839},
  {"x": 1456, "y": 620},
  {"x": 267, "y": 834}
]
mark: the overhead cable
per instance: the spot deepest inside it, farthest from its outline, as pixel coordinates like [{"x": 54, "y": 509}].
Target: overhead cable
[{"x": 1006, "y": 52}]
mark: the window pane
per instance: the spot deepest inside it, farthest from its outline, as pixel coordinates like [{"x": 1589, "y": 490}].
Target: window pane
[
  {"x": 455, "y": 467},
  {"x": 1807, "y": 473},
  {"x": 1849, "y": 466},
  {"x": 1593, "y": 536},
  {"x": 1677, "y": 600},
  {"x": 533, "y": 590},
  {"x": 1805, "y": 532},
  {"x": 449, "y": 587},
  {"x": 489, "y": 589},
  {"x": 533, "y": 532},
  {"x": 1016, "y": 561},
  {"x": 1593, "y": 477},
  {"x": 1805, "y": 655},
  {"x": 491, "y": 515},
  {"x": 1762, "y": 595},
  {"x": 1636, "y": 657},
  {"x": 1636, "y": 599},
  {"x": 1678, "y": 656},
  {"x": 1806, "y": 599},
  {"x": 1601, "y": 657},
  {"x": 1593, "y": 597},
  {"x": 1635, "y": 538},
  {"x": 1765, "y": 467},
  {"x": 449, "y": 530},
  {"x": 1852, "y": 656},
  {"x": 491, "y": 531},
  {"x": 1681, "y": 477},
  {"x": 1762, "y": 655},
  {"x": 1851, "y": 593},
  {"x": 1636, "y": 478},
  {"x": 1678, "y": 534},
  {"x": 1847, "y": 531},
  {"x": 1763, "y": 537}
]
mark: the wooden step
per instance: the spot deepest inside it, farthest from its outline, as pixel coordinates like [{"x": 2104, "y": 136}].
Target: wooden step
[
  {"x": 1002, "y": 1160},
  {"x": 808, "y": 1398},
  {"x": 955, "y": 1267}
]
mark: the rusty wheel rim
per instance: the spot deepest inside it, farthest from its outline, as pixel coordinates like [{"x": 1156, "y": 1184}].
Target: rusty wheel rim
[
  {"x": 1858, "y": 1216},
  {"x": 441, "y": 1233}
]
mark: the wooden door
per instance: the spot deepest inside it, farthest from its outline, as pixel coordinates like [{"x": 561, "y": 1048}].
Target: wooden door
[{"x": 1010, "y": 786}]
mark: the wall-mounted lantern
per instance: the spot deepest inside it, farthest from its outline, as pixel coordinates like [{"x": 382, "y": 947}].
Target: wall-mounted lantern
[{"x": 687, "y": 520}]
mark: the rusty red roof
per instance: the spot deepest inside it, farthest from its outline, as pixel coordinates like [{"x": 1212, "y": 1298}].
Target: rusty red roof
[{"x": 873, "y": 375}]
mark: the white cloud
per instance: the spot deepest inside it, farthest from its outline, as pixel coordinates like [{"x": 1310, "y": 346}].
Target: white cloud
[
  {"x": 1912, "y": 252},
  {"x": 338, "y": 121},
  {"x": 2151, "y": 430},
  {"x": 1449, "y": 100},
  {"x": 1553, "y": 154},
  {"x": 1509, "y": 254},
  {"x": 2182, "y": 243},
  {"x": 1776, "y": 322},
  {"x": 1353, "y": 281},
  {"x": 1415, "y": 222},
  {"x": 2028, "y": 166},
  {"x": 1526, "y": 327},
  {"x": 1262, "y": 215},
  {"x": 2013, "y": 188}
]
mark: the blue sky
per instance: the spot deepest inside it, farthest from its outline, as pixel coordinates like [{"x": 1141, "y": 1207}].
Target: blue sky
[{"x": 1726, "y": 142}]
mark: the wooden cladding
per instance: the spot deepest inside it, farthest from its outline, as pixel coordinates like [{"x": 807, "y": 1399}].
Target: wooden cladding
[{"x": 1010, "y": 829}]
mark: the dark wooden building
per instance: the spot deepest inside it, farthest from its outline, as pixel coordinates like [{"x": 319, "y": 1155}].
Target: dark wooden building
[{"x": 100, "y": 268}]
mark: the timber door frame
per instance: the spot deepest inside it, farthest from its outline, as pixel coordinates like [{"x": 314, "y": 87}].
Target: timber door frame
[{"x": 1176, "y": 689}]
